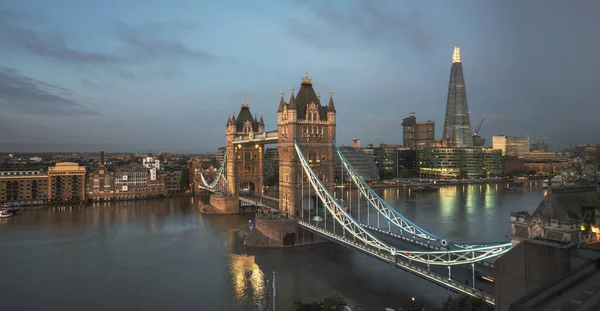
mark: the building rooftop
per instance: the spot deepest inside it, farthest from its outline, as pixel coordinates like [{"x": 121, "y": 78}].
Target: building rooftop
[{"x": 565, "y": 203}]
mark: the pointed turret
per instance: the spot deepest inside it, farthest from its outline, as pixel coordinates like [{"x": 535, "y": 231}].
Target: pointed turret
[
  {"x": 456, "y": 55},
  {"x": 228, "y": 118},
  {"x": 233, "y": 117},
  {"x": 281, "y": 103},
  {"x": 261, "y": 122},
  {"x": 330, "y": 106},
  {"x": 292, "y": 104}
]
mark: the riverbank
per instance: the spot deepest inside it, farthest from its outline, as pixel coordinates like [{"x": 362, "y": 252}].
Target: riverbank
[{"x": 43, "y": 205}]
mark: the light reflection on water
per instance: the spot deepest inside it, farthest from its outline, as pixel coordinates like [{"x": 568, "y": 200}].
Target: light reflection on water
[
  {"x": 163, "y": 254},
  {"x": 466, "y": 212},
  {"x": 247, "y": 278}
]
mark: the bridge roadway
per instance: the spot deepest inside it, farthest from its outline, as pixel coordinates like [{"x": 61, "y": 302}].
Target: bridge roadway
[
  {"x": 259, "y": 200},
  {"x": 459, "y": 273}
]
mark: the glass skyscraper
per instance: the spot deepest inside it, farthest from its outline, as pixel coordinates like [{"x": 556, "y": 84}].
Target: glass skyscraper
[{"x": 457, "y": 125}]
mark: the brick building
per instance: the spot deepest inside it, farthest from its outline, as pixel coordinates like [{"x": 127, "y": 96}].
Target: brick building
[
  {"x": 66, "y": 182},
  {"x": 23, "y": 187}
]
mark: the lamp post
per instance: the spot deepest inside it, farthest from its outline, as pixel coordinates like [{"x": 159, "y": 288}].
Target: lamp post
[{"x": 413, "y": 302}]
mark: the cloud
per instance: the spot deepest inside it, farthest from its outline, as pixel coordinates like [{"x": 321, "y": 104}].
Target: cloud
[
  {"x": 46, "y": 44},
  {"x": 367, "y": 23},
  {"x": 26, "y": 95},
  {"x": 139, "y": 46},
  {"x": 145, "y": 42}
]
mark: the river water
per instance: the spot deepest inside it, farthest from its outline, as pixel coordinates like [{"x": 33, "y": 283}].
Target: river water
[{"x": 164, "y": 255}]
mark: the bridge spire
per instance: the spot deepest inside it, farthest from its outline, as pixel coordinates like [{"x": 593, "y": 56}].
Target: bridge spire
[
  {"x": 281, "y": 102},
  {"x": 261, "y": 122},
  {"x": 233, "y": 117},
  {"x": 228, "y": 118},
  {"x": 330, "y": 106},
  {"x": 292, "y": 99}
]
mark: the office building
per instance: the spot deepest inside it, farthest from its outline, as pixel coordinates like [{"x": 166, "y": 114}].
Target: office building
[
  {"x": 417, "y": 134},
  {"x": 457, "y": 124},
  {"x": 511, "y": 145},
  {"x": 362, "y": 162}
]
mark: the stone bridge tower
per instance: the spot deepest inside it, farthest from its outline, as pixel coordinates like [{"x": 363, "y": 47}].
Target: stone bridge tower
[
  {"x": 244, "y": 161},
  {"x": 313, "y": 126}
]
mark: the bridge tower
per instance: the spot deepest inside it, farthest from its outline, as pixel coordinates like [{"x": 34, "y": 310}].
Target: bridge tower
[
  {"x": 313, "y": 126},
  {"x": 244, "y": 161}
]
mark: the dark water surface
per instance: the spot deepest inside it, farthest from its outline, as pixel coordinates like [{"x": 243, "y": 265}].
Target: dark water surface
[{"x": 165, "y": 255}]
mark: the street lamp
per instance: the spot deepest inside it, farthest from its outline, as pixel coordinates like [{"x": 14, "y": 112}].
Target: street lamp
[{"x": 413, "y": 302}]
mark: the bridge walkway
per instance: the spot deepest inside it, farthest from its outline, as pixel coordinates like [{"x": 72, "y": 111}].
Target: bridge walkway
[{"x": 459, "y": 273}]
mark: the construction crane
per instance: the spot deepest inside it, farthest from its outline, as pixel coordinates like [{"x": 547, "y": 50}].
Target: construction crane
[
  {"x": 479, "y": 127},
  {"x": 477, "y": 140}
]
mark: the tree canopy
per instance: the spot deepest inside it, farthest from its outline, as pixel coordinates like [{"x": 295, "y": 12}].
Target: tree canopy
[
  {"x": 333, "y": 303},
  {"x": 466, "y": 303}
]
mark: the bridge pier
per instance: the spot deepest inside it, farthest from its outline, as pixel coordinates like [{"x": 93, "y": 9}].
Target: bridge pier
[
  {"x": 276, "y": 233},
  {"x": 222, "y": 205}
]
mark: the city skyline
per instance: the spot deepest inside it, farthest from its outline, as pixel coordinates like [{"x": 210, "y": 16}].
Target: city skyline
[{"x": 119, "y": 77}]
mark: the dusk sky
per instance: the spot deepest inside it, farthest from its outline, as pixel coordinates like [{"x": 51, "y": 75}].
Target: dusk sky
[{"x": 162, "y": 75}]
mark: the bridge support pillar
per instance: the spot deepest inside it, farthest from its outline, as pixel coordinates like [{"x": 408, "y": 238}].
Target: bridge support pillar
[
  {"x": 275, "y": 233},
  {"x": 222, "y": 205}
]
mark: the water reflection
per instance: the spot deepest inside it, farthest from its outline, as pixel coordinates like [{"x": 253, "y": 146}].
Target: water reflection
[{"x": 247, "y": 278}]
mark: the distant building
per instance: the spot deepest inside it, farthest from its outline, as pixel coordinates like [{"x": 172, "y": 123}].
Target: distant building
[
  {"x": 539, "y": 156},
  {"x": 540, "y": 146},
  {"x": 492, "y": 162},
  {"x": 386, "y": 158},
  {"x": 513, "y": 166},
  {"x": 356, "y": 143},
  {"x": 546, "y": 168},
  {"x": 66, "y": 182},
  {"x": 101, "y": 183},
  {"x": 151, "y": 162},
  {"x": 362, "y": 162},
  {"x": 511, "y": 145},
  {"x": 173, "y": 181},
  {"x": 23, "y": 186},
  {"x": 417, "y": 134},
  {"x": 271, "y": 166},
  {"x": 458, "y": 163},
  {"x": 135, "y": 182},
  {"x": 457, "y": 124}
]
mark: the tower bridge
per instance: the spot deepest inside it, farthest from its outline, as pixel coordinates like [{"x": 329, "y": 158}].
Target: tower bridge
[{"x": 307, "y": 211}]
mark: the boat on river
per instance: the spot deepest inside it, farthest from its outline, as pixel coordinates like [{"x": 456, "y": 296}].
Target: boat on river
[
  {"x": 4, "y": 213},
  {"x": 426, "y": 189}
]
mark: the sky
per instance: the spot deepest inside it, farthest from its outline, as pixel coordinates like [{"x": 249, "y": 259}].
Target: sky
[{"x": 142, "y": 75}]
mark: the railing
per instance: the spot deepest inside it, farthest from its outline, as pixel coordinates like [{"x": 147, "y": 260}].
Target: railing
[
  {"x": 398, "y": 220},
  {"x": 404, "y": 265}
]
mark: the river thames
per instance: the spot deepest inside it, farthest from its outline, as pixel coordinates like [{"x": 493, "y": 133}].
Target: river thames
[{"x": 164, "y": 255}]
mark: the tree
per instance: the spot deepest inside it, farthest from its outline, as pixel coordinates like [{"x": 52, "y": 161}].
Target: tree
[
  {"x": 184, "y": 182},
  {"x": 333, "y": 303},
  {"x": 466, "y": 303}
]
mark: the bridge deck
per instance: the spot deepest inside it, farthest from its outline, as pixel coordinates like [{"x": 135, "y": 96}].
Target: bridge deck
[
  {"x": 460, "y": 274},
  {"x": 260, "y": 200}
]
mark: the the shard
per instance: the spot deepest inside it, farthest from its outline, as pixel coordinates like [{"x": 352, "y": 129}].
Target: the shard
[{"x": 457, "y": 125}]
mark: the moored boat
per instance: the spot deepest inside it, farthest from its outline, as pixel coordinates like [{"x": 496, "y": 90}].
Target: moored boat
[{"x": 4, "y": 213}]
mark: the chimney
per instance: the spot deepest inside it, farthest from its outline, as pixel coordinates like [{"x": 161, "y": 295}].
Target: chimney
[{"x": 102, "y": 157}]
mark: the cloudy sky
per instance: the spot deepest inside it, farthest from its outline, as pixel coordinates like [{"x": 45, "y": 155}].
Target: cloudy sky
[{"x": 142, "y": 75}]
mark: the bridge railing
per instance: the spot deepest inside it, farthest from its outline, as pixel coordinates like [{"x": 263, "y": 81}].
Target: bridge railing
[{"x": 397, "y": 219}]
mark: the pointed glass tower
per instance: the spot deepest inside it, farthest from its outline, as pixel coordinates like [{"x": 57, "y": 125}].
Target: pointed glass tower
[{"x": 457, "y": 125}]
